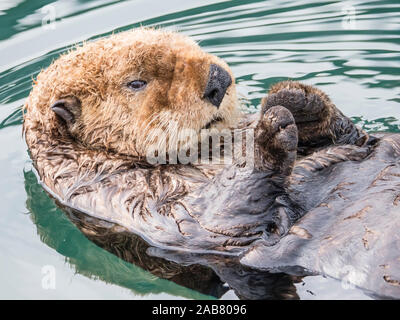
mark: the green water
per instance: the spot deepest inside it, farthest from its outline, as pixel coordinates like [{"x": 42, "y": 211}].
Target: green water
[{"x": 355, "y": 58}]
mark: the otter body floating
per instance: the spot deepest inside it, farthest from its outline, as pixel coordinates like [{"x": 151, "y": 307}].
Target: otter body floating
[{"x": 321, "y": 196}]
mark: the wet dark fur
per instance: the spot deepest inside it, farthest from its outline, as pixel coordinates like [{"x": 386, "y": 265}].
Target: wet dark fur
[{"x": 207, "y": 274}]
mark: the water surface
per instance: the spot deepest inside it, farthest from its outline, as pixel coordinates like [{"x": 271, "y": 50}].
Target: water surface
[{"x": 350, "y": 49}]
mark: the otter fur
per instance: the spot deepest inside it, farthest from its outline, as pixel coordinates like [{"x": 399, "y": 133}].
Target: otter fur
[{"x": 96, "y": 113}]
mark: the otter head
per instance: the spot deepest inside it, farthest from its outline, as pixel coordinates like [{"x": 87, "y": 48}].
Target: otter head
[{"x": 138, "y": 90}]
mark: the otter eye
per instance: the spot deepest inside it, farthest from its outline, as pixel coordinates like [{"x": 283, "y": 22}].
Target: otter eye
[{"x": 137, "y": 85}]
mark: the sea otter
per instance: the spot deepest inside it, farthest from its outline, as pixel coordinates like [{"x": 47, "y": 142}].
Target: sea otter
[{"x": 315, "y": 193}]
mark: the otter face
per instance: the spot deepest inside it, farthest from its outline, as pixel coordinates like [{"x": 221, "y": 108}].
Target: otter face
[{"x": 140, "y": 89}]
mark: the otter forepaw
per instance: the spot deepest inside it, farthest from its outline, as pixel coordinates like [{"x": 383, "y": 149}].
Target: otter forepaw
[
  {"x": 306, "y": 103},
  {"x": 276, "y": 139},
  {"x": 318, "y": 120},
  {"x": 279, "y": 130},
  {"x": 304, "y": 108}
]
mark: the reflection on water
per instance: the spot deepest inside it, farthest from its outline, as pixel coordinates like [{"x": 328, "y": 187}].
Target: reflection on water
[
  {"x": 56, "y": 231},
  {"x": 355, "y": 59}
]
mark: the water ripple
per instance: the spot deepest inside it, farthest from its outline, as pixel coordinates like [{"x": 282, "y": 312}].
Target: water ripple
[{"x": 355, "y": 59}]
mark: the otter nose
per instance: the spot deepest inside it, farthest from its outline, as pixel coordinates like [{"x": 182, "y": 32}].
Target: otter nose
[{"x": 218, "y": 81}]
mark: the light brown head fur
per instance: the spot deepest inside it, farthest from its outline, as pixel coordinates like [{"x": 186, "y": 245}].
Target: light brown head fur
[{"x": 108, "y": 114}]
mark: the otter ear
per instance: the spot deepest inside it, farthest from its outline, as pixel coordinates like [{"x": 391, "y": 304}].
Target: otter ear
[{"x": 68, "y": 109}]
